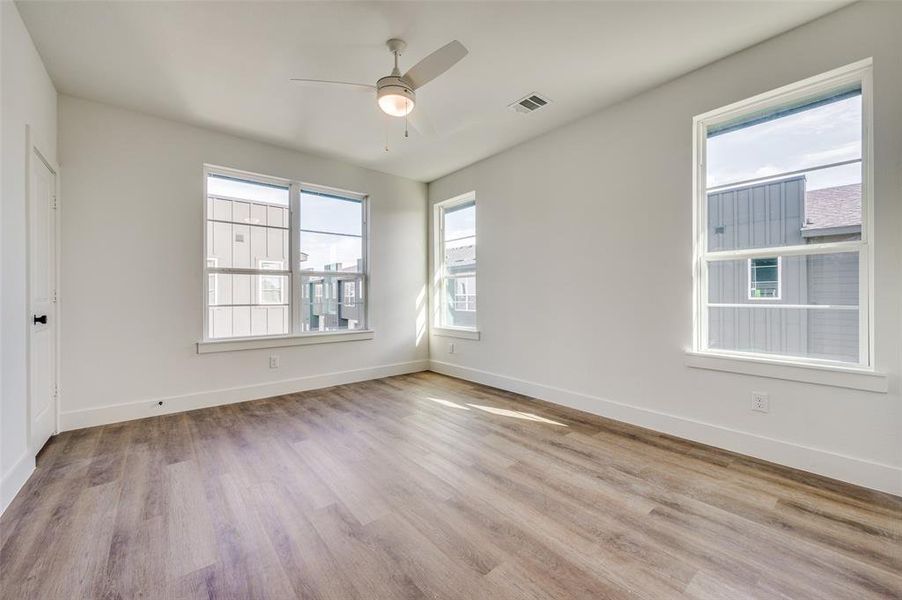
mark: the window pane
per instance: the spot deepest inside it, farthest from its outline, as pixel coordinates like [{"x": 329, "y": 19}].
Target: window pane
[
  {"x": 241, "y": 234},
  {"x": 815, "y": 314},
  {"x": 460, "y": 221},
  {"x": 248, "y": 305},
  {"x": 458, "y": 249},
  {"x": 332, "y": 303},
  {"x": 827, "y": 334},
  {"x": 459, "y": 245},
  {"x": 816, "y": 205},
  {"x": 248, "y": 321},
  {"x": 331, "y": 214},
  {"x": 802, "y": 139},
  {"x": 330, "y": 252},
  {"x": 231, "y": 289},
  {"x": 460, "y": 301}
]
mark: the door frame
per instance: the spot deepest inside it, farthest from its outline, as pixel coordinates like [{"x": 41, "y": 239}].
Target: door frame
[{"x": 33, "y": 153}]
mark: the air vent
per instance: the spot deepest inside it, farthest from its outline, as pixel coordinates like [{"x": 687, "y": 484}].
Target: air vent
[{"x": 530, "y": 103}]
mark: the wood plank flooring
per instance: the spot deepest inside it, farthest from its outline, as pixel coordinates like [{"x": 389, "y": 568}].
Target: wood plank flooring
[{"x": 424, "y": 486}]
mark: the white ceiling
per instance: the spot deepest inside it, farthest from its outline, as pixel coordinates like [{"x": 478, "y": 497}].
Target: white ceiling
[{"x": 226, "y": 65}]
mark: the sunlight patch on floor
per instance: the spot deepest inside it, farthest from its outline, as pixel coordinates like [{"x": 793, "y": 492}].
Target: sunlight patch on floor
[
  {"x": 447, "y": 403},
  {"x": 516, "y": 414}
]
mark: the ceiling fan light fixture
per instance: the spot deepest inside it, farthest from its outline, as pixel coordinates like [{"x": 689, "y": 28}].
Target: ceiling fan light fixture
[{"x": 395, "y": 98}]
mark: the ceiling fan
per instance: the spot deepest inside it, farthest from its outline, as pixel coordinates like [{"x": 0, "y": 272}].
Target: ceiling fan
[{"x": 396, "y": 93}]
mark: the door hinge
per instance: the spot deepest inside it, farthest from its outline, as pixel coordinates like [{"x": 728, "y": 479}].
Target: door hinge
[
  {"x": 53, "y": 297},
  {"x": 53, "y": 205},
  {"x": 56, "y": 392}
]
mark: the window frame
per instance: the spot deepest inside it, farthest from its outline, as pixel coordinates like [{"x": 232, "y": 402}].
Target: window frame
[
  {"x": 295, "y": 335},
  {"x": 439, "y": 292},
  {"x": 860, "y": 73}
]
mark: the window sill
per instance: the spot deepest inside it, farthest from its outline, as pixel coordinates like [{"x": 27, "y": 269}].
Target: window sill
[
  {"x": 228, "y": 345},
  {"x": 856, "y": 378},
  {"x": 465, "y": 334}
]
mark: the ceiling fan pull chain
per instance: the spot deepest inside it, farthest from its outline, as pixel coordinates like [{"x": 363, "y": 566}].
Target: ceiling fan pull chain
[{"x": 385, "y": 121}]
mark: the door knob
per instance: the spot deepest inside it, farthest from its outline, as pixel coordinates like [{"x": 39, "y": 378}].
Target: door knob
[{"x": 42, "y": 319}]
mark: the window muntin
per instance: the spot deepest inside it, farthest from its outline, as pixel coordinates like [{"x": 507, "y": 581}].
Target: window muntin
[
  {"x": 782, "y": 249},
  {"x": 455, "y": 254},
  {"x": 764, "y": 278},
  {"x": 253, "y": 222}
]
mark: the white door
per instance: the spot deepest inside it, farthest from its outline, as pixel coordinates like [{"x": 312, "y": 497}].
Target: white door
[{"x": 42, "y": 302}]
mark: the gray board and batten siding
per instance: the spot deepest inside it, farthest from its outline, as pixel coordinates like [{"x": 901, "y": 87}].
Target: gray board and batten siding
[{"x": 773, "y": 214}]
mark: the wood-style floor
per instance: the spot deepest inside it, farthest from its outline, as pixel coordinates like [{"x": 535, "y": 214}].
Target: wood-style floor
[{"x": 423, "y": 486}]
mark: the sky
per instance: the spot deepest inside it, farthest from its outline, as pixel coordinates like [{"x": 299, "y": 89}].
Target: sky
[
  {"x": 461, "y": 224},
  {"x": 219, "y": 186},
  {"x": 819, "y": 136}
]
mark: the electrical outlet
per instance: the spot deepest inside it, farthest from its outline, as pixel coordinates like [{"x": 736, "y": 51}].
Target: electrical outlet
[
  {"x": 451, "y": 348},
  {"x": 761, "y": 402},
  {"x": 274, "y": 361}
]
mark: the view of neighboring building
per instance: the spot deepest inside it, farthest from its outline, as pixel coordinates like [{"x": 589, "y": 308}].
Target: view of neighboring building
[
  {"x": 332, "y": 303},
  {"x": 249, "y": 234},
  {"x": 460, "y": 263},
  {"x": 789, "y": 305}
]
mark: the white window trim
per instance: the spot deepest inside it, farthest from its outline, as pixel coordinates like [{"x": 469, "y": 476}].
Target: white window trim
[
  {"x": 779, "y": 282},
  {"x": 795, "y": 368},
  {"x": 464, "y": 333},
  {"x": 296, "y": 337},
  {"x": 282, "y": 341},
  {"x": 824, "y": 373},
  {"x": 438, "y": 326}
]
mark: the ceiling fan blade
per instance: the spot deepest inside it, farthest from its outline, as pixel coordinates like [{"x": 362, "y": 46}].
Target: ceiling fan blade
[
  {"x": 361, "y": 86},
  {"x": 435, "y": 64},
  {"x": 421, "y": 123}
]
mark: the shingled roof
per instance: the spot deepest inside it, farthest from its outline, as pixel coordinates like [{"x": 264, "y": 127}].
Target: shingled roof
[{"x": 832, "y": 208}]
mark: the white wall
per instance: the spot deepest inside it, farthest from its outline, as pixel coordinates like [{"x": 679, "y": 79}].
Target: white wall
[
  {"x": 28, "y": 98},
  {"x": 131, "y": 289},
  {"x": 602, "y": 208}
]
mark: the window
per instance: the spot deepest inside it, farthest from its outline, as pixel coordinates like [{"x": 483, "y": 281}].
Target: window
[
  {"x": 455, "y": 258},
  {"x": 462, "y": 300},
  {"x": 254, "y": 224},
  {"x": 764, "y": 278},
  {"x": 782, "y": 244},
  {"x": 272, "y": 288}
]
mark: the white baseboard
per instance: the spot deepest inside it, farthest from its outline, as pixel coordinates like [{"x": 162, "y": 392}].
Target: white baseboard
[
  {"x": 877, "y": 476},
  {"x": 104, "y": 415},
  {"x": 13, "y": 480}
]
